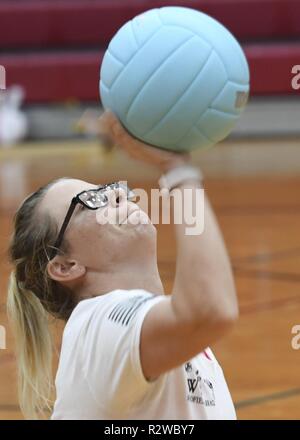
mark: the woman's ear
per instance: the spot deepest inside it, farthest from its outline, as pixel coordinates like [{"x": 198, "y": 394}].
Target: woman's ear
[{"x": 63, "y": 270}]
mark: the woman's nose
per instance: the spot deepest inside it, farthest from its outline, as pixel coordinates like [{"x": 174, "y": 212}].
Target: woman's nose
[{"x": 117, "y": 197}]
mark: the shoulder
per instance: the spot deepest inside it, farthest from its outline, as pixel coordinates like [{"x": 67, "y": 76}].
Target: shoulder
[{"x": 116, "y": 306}]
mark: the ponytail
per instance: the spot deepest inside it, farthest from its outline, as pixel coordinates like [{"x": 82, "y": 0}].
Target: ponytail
[
  {"x": 32, "y": 297},
  {"x": 30, "y": 324}
]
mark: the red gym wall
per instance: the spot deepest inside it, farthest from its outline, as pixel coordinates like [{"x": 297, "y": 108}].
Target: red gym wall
[{"x": 54, "y": 48}]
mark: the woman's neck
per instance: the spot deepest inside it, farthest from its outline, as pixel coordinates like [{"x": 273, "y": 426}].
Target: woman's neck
[{"x": 127, "y": 278}]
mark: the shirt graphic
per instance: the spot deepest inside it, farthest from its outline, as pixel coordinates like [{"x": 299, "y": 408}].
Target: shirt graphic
[
  {"x": 126, "y": 310},
  {"x": 200, "y": 390}
]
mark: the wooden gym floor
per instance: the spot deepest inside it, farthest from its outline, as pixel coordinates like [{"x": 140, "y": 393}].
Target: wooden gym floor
[{"x": 260, "y": 216}]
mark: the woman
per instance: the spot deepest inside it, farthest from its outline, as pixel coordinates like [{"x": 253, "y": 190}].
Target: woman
[{"x": 128, "y": 351}]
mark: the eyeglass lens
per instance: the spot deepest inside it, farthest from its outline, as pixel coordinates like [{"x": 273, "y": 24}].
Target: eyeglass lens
[{"x": 98, "y": 198}]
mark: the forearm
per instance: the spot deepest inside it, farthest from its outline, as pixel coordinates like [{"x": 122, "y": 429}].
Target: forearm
[{"x": 204, "y": 285}]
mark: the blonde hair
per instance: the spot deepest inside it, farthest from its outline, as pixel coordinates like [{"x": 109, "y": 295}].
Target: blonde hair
[
  {"x": 34, "y": 350},
  {"x": 32, "y": 297}
]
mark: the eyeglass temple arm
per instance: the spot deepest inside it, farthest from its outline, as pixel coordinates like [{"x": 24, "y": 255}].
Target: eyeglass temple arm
[{"x": 63, "y": 227}]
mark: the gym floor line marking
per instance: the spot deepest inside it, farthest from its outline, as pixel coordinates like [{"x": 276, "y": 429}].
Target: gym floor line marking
[
  {"x": 265, "y": 306},
  {"x": 238, "y": 405},
  {"x": 265, "y": 274},
  {"x": 262, "y": 258},
  {"x": 266, "y": 398},
  {"x": 7, "y": 407},
  {"x": 257, "y": 210}
]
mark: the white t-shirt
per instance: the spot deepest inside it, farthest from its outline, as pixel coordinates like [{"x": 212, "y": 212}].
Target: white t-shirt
[{"x": 100, "y": 375}]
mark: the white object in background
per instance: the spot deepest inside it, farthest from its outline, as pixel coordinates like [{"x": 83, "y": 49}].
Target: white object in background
[
  {"x": 13, "y": 183},
  {"x": 13, "y": 122}
]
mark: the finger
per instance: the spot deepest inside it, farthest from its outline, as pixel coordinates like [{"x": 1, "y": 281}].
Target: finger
[
  {"x": 131, "y": 148},
  {"x": 125, "y": 139},
  {"x": 131, "y": 144},
  {"x": 106, "y": 121}
]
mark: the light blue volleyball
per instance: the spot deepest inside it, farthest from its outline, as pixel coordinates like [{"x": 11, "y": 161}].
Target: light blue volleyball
[{"x": 176, "y": 78}]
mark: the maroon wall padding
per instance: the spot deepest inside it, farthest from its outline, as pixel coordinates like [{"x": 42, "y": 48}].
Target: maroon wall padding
[
  {"x": 55, "y": 77},
  {"x": 68, "y": 76},
  {"x": 50, "y": 23},
  {"x": 271, "y": 66}
]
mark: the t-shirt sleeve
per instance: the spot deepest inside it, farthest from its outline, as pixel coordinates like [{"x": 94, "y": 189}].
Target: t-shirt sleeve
[{"x": 111, "y": 362}]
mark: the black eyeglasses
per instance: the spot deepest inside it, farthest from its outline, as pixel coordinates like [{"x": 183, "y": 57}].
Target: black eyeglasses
[{"x": 90, "y": 199}]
